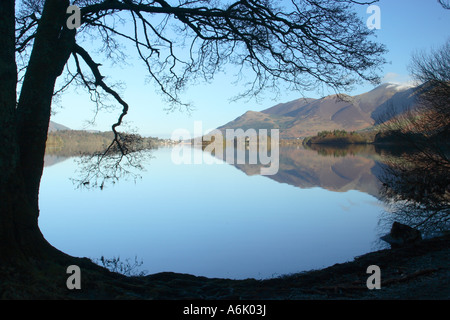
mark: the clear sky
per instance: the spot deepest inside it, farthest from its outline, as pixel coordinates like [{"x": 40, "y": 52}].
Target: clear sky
[{"x": 406, "y": 26}]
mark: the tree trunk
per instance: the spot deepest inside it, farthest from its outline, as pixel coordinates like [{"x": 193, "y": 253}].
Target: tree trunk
[
  {"x": 23, "y": 130},
  {"x": 8, "y": 149},
  {"x": 51, "y": 50},
  {"x": 19, "y": 233}
]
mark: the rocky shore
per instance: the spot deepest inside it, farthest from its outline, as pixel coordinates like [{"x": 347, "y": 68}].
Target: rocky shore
[{"x": 416, "y": 271}]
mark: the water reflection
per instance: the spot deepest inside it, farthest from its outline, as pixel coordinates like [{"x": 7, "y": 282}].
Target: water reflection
[
  {"x": 416, "y": 189},
  {"x": 338, "y": 169},
  {"x": 412, "y": 187},
  {"x": 324, "y": 206},
  {"x": 212, "y": 220},
  {"x": 330, "y": 168},
  {"x": 51, "y": 159},
  {"x": 412, "y": 184}
]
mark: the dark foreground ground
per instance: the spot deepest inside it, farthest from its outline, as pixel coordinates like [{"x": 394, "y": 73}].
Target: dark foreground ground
[{"x": 420, "y": 271}]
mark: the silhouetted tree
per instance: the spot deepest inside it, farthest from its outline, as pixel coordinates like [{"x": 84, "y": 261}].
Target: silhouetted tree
[
  {"x": 303, "y": 44},
  {"x": 445, "y": 4},
  {"x": 426, "y": 128},
  {"x": 417, "y": 185}
]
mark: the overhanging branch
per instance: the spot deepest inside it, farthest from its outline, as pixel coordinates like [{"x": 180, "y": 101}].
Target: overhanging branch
[{"x": 94, "y": 67}]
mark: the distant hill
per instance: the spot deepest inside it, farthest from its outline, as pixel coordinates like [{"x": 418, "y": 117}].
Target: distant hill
[
  {"x": 306, "y": 116},
  {"x": 53, "y": 126}
]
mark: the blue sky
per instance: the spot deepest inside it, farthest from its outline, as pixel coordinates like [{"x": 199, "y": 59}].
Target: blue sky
[{"x": 406, "y": 26}]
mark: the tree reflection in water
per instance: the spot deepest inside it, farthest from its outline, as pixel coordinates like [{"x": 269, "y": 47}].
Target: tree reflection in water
[
  {"x": 123, "y": 159},
  {"x": 415, "y": 187},
  {"x": 417, "y": 184}
]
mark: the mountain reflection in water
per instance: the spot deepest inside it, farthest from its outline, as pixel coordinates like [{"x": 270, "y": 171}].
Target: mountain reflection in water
[
  {"x": 336, "y": 169},
  {"x": 216, "y": 221},
  {"x": 339, "y": 169}
]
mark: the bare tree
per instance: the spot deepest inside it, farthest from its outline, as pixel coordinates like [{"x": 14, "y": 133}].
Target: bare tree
[
  {"x": 417, "y": 186},
  {"x": 426, "y": 127},
  {"x": 303, "y": 44},
  {"x": 433, "y": 70},
  {"x": 445, "y": 4}
]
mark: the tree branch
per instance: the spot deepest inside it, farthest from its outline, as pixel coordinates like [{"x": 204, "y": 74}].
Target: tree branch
[{"x": 94, "y": 67}]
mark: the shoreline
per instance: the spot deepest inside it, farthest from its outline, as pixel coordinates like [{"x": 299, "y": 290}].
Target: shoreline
[{"x": 418, "y": 271}]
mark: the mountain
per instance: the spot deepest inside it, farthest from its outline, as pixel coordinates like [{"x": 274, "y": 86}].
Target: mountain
[
  {"x": 306, "y": 116},
  {"x": 53, "y": 126}
]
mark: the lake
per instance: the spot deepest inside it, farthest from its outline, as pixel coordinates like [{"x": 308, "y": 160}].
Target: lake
[{"x": 221, "y": 220}]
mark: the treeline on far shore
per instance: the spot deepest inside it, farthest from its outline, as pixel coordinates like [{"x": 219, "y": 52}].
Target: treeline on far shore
[
  {"x": 80, "y": 142},
  {"x": 342, "y": 137}
]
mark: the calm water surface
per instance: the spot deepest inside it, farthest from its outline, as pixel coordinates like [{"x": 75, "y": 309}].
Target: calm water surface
[{"x": 220, "y": 220}]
